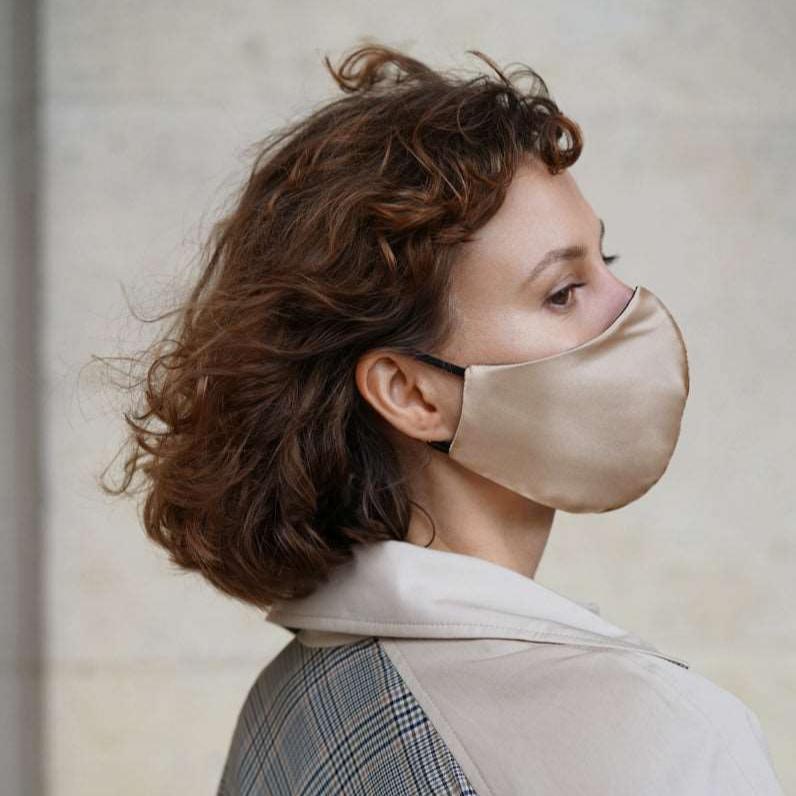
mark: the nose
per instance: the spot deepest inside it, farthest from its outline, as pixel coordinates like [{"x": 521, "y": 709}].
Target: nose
[
  {"x": 619, "y": 293},
  {"x": 621, "y": 290},
  {"x": 626, "y": 291}
]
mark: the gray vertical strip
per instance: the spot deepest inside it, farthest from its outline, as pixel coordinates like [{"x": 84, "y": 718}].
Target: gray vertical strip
[{"x": 22, "y": 752}]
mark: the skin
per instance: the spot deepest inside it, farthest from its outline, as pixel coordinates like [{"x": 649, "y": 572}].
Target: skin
[{"x": 501, "y": 318}]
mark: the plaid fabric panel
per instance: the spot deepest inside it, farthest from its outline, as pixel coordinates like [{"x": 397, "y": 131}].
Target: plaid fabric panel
[{"x": 336, "y": 720}]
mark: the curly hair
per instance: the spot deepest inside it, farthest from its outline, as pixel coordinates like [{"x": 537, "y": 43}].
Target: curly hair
[{"x": 260, "y": 461}]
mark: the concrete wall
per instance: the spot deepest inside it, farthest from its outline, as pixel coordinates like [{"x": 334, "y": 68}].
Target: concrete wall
[{"x": 146, "y": 110}]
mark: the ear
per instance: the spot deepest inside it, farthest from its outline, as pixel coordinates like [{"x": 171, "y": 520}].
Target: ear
[{"x": 421, "y": 401}]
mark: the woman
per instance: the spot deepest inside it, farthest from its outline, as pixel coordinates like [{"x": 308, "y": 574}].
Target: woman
[{"x": 407, "y": 350}]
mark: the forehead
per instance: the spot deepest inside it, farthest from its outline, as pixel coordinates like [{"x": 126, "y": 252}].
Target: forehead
[{"x": 540, "y": 211}]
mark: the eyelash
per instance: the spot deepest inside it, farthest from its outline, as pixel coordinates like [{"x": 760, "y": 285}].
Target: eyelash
[{"x": 607, "y": 259}]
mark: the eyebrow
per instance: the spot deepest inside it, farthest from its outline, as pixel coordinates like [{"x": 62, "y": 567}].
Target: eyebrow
[{"x": 558, "y": 255}]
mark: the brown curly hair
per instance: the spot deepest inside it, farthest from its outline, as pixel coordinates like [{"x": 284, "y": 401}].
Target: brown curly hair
[{"x": 261, "y": 462}]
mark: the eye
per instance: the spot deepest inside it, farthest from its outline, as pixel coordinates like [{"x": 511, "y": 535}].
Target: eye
[
  {"x": 560, "y": 299},
  {"x": 565, "y": 293}
]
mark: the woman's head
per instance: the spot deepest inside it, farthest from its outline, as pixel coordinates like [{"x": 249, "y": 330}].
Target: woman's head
[
  {"x": 399, "y": 217},
  {"x": 531, "y": 282}
]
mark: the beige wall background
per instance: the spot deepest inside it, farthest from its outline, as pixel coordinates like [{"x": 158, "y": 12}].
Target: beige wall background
[{"x": 125, "y": 127}]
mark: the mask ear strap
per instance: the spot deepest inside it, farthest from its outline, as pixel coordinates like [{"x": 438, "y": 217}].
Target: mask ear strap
[{"x": 457, "y": 370}]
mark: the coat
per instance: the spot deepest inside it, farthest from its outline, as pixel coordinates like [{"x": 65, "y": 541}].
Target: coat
[{"x": 420, "y": 671}]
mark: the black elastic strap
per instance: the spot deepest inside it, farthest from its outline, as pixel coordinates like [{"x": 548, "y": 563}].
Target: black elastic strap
[
  {"x": 440, "y": 445},
  {"x": 440, "y": 363}
]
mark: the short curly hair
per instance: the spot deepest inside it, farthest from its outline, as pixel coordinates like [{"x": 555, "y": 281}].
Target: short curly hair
[{"x": 261, "y": 462}]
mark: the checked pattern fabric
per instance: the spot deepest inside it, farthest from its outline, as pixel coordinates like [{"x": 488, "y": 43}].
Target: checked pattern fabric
[{"x": 336, "y": 720}]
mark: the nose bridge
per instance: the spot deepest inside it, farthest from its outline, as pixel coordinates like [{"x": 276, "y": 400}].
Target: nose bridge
[
  {"x": 621, "y": 291},
  {"x": 613, "y": 298},
  {"x": 625, "y": 290}
]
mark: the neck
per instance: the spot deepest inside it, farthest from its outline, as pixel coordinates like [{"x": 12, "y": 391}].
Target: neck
[{"x": 477, "y": 517}]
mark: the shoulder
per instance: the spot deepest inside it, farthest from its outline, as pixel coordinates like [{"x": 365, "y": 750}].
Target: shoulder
[
  {"x": 586, "y": 719},
  {"x": 663, "y": 697},
  {"x": 698, "y": 732},
  {"x": 335, "y": 719}
]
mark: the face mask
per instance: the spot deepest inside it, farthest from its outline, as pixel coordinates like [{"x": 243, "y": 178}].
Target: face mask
[{"x": 589, "y": 429}]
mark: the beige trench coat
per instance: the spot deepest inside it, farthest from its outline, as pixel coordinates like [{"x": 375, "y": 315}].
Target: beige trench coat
[{"x": 533, "y": 692}]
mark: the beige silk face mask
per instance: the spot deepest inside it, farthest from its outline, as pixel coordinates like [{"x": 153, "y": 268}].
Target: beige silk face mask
[{"x": 589, "y": 429}]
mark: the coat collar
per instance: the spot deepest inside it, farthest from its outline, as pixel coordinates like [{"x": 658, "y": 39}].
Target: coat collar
[{"x": 394, "y": 588}]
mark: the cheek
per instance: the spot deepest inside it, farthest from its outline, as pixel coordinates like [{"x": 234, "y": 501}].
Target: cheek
[
  {"x": 551, "y": 335},
  {"x": 506, "y": 335},
  {"x": 497, "y": 323}
]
